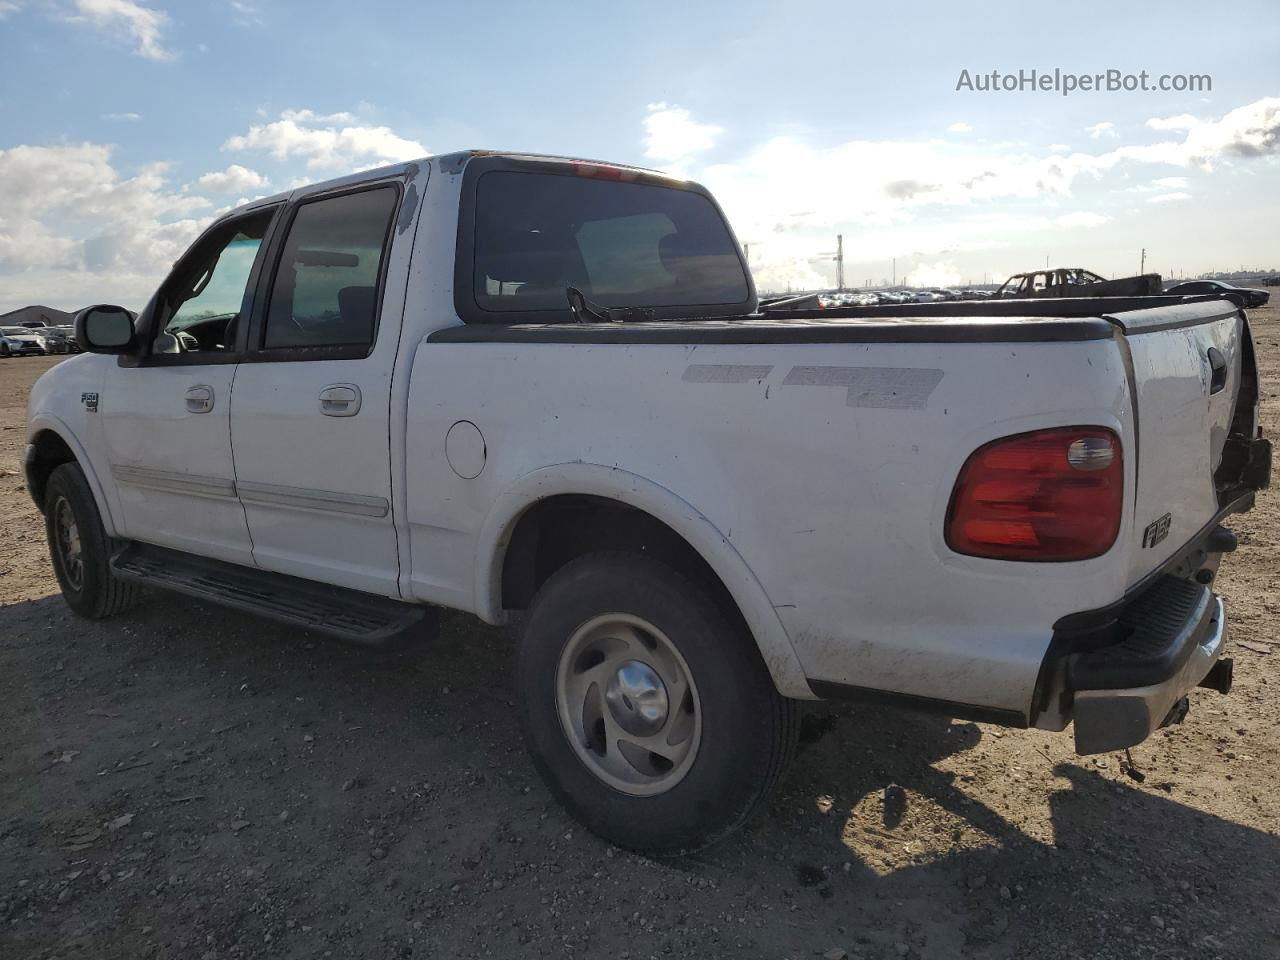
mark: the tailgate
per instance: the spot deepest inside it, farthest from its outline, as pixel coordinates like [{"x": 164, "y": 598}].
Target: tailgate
[{"x": 1187, "y": 374}]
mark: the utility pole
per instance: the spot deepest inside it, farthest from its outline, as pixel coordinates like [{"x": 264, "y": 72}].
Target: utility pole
[
  {"x": 840, "y": 262},
  {"x": 1142, "y": 266},
  {"x": 895, "y": 273}
]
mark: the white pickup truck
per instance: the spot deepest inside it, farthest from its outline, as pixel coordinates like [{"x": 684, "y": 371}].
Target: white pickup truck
[{"x": 540, "y": 387}]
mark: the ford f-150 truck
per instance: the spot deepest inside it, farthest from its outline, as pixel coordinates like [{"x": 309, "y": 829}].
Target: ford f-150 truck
[{"x": 543, "y": 390}]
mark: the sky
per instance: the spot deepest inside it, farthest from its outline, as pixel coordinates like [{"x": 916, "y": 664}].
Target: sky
[{"x": 126, "y": 126}]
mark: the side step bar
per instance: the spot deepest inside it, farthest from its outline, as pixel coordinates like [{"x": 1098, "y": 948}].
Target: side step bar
[{"x": 339, "y": 612}]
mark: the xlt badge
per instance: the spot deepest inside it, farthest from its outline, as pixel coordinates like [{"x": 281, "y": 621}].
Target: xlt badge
[{"x": 1156, "y": 530}]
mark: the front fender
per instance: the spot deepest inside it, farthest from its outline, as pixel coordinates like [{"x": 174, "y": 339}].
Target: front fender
[
  {"x": 635, "y": 491},
  {"x": 45, "y": 421}
]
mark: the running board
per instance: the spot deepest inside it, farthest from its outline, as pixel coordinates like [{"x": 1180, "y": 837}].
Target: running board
[{"x": 348, "y": 614}]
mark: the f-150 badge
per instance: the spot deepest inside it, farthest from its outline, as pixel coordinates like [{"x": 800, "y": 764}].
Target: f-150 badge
[
  {"x": 90, "y": 401},
  {"x": 1156, "y": 530}
]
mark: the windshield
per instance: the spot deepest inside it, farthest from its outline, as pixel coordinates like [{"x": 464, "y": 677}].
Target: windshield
[{"x": 621, "y": 244}]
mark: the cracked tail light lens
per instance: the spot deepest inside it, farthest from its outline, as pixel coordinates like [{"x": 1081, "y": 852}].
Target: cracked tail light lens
[{"x": 1049, "y": 495}]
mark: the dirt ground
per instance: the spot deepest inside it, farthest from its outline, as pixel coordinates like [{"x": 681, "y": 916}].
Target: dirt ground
[{"x": 193, "y": 783}]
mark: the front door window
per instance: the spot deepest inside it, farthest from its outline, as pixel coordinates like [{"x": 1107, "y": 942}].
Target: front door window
[{"x": 202, "y": 304}]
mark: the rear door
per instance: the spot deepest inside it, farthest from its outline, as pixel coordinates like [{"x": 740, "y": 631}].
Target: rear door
[
  {"x": 310, "y": 410},
  {"x": 1186, "y": 371}
]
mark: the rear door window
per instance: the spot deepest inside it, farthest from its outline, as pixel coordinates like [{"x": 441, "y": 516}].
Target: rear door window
[
  {"x": 622, "y": 244},
  {"x": 326, "y": 286}
]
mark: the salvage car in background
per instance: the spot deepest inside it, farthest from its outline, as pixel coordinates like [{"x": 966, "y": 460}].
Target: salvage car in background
[
  {"x": 1076, "y": 282},
  {"x": 1251, "y": 296}
]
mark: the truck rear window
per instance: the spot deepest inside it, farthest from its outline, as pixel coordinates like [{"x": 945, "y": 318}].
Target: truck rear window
[{"x": 622, "y": 244}]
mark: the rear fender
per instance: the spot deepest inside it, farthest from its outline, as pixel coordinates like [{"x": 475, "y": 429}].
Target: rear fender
[{"x": 612, "y": 483}]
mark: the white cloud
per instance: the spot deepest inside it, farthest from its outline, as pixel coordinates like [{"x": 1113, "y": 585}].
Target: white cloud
[
  {"x": 1183, "y": 121},
  {"x": 75, "y": 230},
  {"x": 942, "y": 274},
  {"x": 1160, "y": 183},
  {"x": 1059, "y": 148},
  {"x": 310, "y": 116},
  {"x": 1249, "y": 131},
  {"x": 244, "y": 14},
  {"x": 142, "y": 23},
  {"x": 959, "y": 127},
  {"x": 1081, "y": 218},
  {"x": 234, "y": 179},
  {"x": 787, "y": 197},
  {"x": 8, "y": 8},
  {"x": 122, "y": 116},
  {"x": 1099, "y": 130},
  {"x": 324, "y": 144},
  {"x": 673, "y": 137}
]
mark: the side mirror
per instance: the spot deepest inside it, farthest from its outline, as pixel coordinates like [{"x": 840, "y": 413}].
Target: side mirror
[{"x": 105, "y": 328}]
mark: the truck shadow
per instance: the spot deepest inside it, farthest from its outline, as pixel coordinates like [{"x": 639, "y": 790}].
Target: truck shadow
[
  {"x": 405, "y": 777},
  {"x": 1062, "y": 855}
]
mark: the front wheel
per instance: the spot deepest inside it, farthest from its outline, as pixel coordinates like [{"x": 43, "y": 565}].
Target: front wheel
[
  {"x": 80, "y": 549},
  {"x": 647, "y": 710}
]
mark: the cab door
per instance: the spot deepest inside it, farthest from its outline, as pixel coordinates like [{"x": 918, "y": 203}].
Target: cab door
[
  {"x": 310, "y": 413},
  {"x": 166, "y": 412}
]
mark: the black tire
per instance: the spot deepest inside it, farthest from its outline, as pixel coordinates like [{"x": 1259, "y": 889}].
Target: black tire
[
  {"x": 91, "y": 591},
  {"x": 748, "y": 730}
]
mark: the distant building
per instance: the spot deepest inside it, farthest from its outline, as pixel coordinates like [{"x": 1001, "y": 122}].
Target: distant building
[{"x": 39, "y": 314}]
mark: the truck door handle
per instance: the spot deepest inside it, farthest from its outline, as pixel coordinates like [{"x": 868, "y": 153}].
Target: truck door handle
[
  {"x": 340, "y": 400},
  {"x": 1217, "y": 370},
  {"x": 200, "y": 398}
]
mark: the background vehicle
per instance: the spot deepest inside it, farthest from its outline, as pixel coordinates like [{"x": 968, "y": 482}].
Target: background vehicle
[
  {"x": 1077, "y": 282},
  {"x": 53, "y": 339},
  {"x": 1251, "y": 296},
  {"x": 445, "y": 386},
  {"x": 19, "y": 341},
  {"x": 68, "y": 335}
]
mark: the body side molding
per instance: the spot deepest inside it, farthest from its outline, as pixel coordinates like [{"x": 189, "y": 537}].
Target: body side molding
[
  {"x": 277, "y": 495},
  {"x": 196, "y": 485}
]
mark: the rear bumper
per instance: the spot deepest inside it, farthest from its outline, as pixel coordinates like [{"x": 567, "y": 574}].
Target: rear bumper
[{"x": 1122, "y": 694}]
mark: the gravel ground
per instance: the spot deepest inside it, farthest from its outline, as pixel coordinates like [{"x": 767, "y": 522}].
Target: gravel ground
[{"x": 189, "y": 782}]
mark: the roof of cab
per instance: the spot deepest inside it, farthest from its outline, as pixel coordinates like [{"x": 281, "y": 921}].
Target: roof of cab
[{"x": 451, "y": 163}]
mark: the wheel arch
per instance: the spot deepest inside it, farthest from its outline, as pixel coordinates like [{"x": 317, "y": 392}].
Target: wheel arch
[
  {"x": 51, "y": 443},
  {"x": 654, "y": 504}
]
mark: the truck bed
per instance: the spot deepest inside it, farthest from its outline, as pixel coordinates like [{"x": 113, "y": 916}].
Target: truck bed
[{"x": 1003, "y": 321}]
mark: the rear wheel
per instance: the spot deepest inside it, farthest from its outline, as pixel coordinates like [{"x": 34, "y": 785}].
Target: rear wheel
[
  {"x": 80, "y": 549},
  {"x": 648, "y": 711}
]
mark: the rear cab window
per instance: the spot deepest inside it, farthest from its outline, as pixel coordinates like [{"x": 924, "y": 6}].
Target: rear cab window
[{"x": 622, "y": 244}]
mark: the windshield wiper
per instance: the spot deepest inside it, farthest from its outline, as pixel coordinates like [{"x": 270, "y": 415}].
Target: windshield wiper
[{"x": 584, "y": 311}]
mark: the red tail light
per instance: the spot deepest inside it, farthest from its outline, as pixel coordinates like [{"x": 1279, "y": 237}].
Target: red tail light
[{"x": 1048, "y": 495}]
